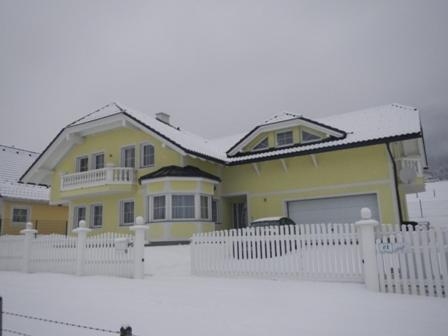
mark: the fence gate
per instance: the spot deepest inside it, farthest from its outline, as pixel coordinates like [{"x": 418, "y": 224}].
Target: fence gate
[
  {"x": 412, "y": 261},
  {"x": 328, "y": 252}
]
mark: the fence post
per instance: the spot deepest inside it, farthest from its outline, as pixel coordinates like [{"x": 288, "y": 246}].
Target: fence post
[
  {"x": 82, "y": 230},
  {"x": 28, "y": 233},
  {"x": 366, "y": 230},
  {"x": 139, "y": 247}
]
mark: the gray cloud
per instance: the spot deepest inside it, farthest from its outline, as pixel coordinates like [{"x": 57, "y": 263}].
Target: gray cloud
[{"x": 219, "y": 66}]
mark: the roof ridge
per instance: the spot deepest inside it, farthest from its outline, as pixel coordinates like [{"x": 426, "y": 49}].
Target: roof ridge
[
  {"x": 279, "y": 115},
  {"x": 18, "y": 148},
  {"x": 406, "y": 107},
  {"x": 96, "y": 111}
]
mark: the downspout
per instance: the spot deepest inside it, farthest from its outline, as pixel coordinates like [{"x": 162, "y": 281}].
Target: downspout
[{"x": 397, "y": 193}]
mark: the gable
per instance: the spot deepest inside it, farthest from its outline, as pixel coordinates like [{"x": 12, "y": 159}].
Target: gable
[
  {"x": 283, "y": 135},
  {"x": 110, "y": 143}
]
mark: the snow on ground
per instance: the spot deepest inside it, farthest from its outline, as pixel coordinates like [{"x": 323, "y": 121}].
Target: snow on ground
[{"x": 171, "y": 302}]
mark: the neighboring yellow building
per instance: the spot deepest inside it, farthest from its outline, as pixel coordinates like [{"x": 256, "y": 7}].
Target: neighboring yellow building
[
  {"x": 21, "y": 203},
  {"x": 115, "y": 164}
]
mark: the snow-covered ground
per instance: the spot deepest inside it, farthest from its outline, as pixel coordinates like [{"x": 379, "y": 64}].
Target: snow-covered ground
[
  {"x": 431, "y": 205},
  {"x": 171, "y": 302}
]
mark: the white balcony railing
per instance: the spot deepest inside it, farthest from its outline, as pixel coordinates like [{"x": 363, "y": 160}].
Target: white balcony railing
[
  {"x": 97, "y": 177},
  {"x": 413, "y": 163}
]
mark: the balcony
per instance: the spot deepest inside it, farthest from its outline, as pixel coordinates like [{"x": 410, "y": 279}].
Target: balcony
[
  {"x": 413, "y": 163},
  {"x": 98, "y": 177},
  {"x": 410, "y": 173}
]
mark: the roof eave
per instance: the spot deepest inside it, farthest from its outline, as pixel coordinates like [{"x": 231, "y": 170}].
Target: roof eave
[{"x": 329, "y": 149}]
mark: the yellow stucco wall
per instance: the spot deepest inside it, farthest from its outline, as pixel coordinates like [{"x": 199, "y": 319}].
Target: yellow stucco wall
[
  {"x": 342, "y": 172},
  {"x": 110, "y": 143},
  {"x": 48, "y": 219},
  {"x": 111, "y": 210}
]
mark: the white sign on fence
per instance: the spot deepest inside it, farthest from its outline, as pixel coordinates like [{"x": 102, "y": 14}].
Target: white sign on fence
[{"x": 389, "y": 247}]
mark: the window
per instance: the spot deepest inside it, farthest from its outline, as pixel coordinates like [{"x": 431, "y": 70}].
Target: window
[
  {"x": 98, "y": 161},
  {"x": 82, "y": 163},
  {"x": 20, "y": 215},
  {"x": 284, "y": 138},
  {"x": 158, "y": 207},
  {"x": 309, "y": 137},
  {"x": 204, "y": 207},
  {"x": 147, "y": 155},
  {"x": 97, "y": 215},
  {"x": 128, "y": 157},
  {"x": 215, "y": 211},
  {"x": 127, "y": 213},
  {"x": 79, "y": 213},
  {"x": 182, "y": 206},
  {"x": 263, "y": 144}
]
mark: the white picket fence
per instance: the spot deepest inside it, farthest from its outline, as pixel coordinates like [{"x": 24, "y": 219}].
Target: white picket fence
[
  {"x": 387, "y": 258},
  {"x": 325, "y": 252},
  {"x": 412, "y": 262},
  {"x": 103, "y": 254},
  {"x": 105, "y": 257}
]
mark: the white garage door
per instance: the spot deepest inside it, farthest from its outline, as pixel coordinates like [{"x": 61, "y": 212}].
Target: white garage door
[{"x": 343, "y": 209}]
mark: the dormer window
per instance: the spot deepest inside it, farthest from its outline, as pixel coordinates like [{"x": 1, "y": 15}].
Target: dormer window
[
  {"x": 284, "y": 138},
  {"x": 263, "y": 144},
  {"x": 309, "y": 137}
]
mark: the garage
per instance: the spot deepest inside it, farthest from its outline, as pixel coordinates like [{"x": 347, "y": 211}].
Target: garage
[{"x": 341, "y": 209}]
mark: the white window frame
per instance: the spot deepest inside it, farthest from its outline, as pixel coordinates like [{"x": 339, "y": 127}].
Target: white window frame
[
  {"x": 142, "y": 157},
  {"x": 122, "y": 156},
  {"x": 75, "y": 215},
  {"x": 92, "y": 215},
  {"x": 93, "y": 160},
  {"x": 208, "y": 206},
  {"x": 194, "y": 206},
  {"x": 152, "y": 207},
  {"x": 78, "y": 163},
  {"x": 20, "y": 207},
  {"x": 282, "y": 132},
  {"x": 254, "y": 149},
  {"x": 312, "y": 133},
  {"x": 218, "y": 210},
  {"x": 121, "y": 213}
]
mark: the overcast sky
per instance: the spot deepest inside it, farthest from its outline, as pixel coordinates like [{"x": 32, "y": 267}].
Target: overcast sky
[{"x": 218, "y": 67}]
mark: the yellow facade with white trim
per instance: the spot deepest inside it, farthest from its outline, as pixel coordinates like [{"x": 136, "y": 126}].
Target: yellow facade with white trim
[{"x": 265, "y": 186}]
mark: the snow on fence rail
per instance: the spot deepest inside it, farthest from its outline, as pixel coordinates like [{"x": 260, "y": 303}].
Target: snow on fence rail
[
  {"x": 412, "y": 261},
  {"x": 326, "y": 252},
  {"x": 103, "y": 254}
]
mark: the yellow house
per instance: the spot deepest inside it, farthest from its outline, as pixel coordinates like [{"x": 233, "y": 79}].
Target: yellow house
[
  {"x": 115, "y": 164},
  {"x": 21, "y": 203}
]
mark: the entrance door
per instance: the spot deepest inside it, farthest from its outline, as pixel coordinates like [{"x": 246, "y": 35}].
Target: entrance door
[{"x": 239, "y": 215}]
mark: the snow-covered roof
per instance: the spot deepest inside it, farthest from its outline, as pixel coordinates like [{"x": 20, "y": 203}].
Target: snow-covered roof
[
  {"x": 364, "y": 126},
  {"x": 184, "y": 139},
  {"x": 13, "y": 163},
  {"x": 379, "y": 124}
]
